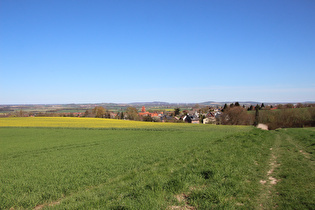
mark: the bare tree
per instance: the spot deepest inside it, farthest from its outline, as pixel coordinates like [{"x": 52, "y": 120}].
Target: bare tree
[
  {"x": 132, "y": 113},
  {"x": 236, "y": 116},
  {"x": 99, "y": 111}
]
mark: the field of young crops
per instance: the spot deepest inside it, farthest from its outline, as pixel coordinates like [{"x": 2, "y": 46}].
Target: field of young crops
[{"x": 73, "y": 163}]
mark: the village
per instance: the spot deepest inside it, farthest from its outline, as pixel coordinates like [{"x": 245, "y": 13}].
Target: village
[
  {"x": 205, "y": 115},
  {"x": 194, "y": 116},
  {"x": 218, "y": 114}
]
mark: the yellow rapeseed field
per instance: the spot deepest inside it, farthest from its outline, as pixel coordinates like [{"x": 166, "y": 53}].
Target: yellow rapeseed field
[
  {"x": 71, "y": 122},
  {"x": 74, "y": 122}
]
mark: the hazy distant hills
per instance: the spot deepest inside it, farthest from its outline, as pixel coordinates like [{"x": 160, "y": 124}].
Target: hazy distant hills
[
  {"x": 160, "y": 104},
  {"x": 213, "y": 103},
  {"x": 207, "y": 103}
]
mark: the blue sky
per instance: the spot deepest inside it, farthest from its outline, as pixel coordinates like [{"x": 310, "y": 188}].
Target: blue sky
[{"x": 75, "y": 51}]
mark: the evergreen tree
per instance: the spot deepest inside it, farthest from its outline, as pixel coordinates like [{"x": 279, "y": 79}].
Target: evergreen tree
[
  {"x": 176, "y": 111},
  {"x": 257, "y": 107},
  {"x": 224, "y": 108},
  {"x": 256, "y": 115}
]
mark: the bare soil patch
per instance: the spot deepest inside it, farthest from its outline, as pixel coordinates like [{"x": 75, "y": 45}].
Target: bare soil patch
[
  {"x": 48, "y": 204},
  {"x": 182, "y": 198},
  {"x": 273, "y": 163}
]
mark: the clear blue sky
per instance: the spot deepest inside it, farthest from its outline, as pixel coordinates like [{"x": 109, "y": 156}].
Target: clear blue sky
[{"x": 75, "y": 51}]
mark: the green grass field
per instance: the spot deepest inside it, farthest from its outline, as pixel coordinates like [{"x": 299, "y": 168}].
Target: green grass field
[{"x": 154, "y": 166}]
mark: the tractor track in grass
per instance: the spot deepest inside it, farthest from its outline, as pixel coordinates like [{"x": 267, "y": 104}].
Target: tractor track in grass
[
  {"x": 115, "y": 180},
  {"x": 284, "y": 145},
  {"x": 90, "y": 188},
  {"x": 301, "y": 150}
]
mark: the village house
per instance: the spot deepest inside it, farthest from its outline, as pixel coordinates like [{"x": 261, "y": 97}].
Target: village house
[
  {"x": 191, "y": 119},
  {"x": 145, "y": 113}
]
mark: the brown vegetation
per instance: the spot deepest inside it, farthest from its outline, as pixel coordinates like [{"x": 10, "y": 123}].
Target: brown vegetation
[
  {"x": 288, "y": 118},
  {"x": 237, "y": 115},
  {"x": 284, "y": 117}
]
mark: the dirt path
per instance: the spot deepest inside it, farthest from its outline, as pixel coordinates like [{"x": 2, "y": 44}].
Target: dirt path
[{"x": 265, "y": 198}]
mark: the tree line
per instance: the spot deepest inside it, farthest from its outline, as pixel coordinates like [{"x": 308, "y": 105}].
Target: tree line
[{"x": 285, "y": 116}]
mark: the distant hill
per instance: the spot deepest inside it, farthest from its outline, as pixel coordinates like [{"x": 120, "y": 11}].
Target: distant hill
[
  {"x": 136, "y": 104},
  {"x": 154, "y": 103},
  {"x": 213, "y": 103}
]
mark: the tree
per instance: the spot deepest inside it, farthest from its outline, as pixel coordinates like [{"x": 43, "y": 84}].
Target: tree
[
  {"x": 107, "y": 114},
  {"x": 132, "y": 113},
  {"x": 257, "y": 107},
  {"x": 224, "y": 108},
  {"x": 237, "y": 104},
  {"x": 290, "y": 106},
  {"x": 176, "y": 111},
  {"x": 236, "y": 116},
  {"x": 256, "y": 115},
  {"x": 201, "y": 118},
  {"x": 86, "y": 113},
  {"x": 197, "y": 106},
  {"x": 147, "y": 118},
  {"x": 99, "y": 111},
  {"x": 204, "y": 110}
]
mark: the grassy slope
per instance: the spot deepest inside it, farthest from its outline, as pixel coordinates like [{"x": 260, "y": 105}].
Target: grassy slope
[{"x": 200, "y": 166}]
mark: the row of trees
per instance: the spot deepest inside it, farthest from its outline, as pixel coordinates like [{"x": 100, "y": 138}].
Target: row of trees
[
  {"x": 130, "y": 114},
  {"x": 280, "y": 118},
  {"x": 288, "y": 118}
]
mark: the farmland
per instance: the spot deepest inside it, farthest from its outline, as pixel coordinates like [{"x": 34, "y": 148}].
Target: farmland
[{"x": 74, "y": 163}]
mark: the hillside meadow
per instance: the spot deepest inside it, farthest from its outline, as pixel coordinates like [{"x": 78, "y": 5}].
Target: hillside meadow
[{"x": 87, "y": 163}]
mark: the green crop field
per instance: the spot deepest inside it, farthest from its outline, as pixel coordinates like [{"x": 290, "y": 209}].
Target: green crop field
[{"x": 65, "y": 163}]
